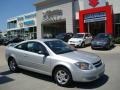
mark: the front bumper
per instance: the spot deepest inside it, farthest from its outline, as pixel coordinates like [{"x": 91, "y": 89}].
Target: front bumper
[
  {"x": 99, "y": 46},
  {"x": 75, "y": 43},
  {"x": 88, "y": 75}
]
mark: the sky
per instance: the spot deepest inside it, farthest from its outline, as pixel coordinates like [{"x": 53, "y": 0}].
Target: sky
[{"x": 12, "y": 8}]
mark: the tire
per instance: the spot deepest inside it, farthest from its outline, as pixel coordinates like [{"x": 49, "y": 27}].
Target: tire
[
  {"x": 92, "y": 48},
  {"x": 62, "y": 76},
  {"x": 13, "y": 65},
  {"x": 108, "y": 47},
  {"x": 83, "y": 45}
]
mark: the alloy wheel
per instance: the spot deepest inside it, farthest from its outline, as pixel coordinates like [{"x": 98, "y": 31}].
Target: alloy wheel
[{"x": 62, "y": 77}]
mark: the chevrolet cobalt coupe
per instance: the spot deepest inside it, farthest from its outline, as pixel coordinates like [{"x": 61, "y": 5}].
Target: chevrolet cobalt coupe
[{"x": 55, "y": 58}]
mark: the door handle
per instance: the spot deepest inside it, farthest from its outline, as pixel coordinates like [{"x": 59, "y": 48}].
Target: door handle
[{"x": 25, "y": 55}]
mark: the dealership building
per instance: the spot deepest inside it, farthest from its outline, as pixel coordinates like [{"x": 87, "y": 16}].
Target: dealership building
[{"x": 77, "y": 16}]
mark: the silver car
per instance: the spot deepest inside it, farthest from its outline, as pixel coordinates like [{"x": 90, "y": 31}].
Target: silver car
[{"x": 55, "y": 58}]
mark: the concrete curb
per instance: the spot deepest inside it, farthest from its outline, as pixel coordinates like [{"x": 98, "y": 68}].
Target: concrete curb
[
  {"x": 117, "y": 44},
  {"x": 115, "y": 50}
]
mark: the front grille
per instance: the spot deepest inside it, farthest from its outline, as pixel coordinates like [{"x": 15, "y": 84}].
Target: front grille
[
  {"x": 72, "y": 42},
  {"x": 97, "y": 64}
]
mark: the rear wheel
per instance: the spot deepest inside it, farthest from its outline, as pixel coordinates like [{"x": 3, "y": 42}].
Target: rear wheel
[
  {"x": 62, "y": 76},
  {"x": 13, "y": 65}
]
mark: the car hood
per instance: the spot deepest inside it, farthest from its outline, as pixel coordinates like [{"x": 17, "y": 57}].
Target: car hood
[
  {"x": 81, "y": 56},
  {"x": 76, "y": 39},
  {"x": 101, "y": 40}
]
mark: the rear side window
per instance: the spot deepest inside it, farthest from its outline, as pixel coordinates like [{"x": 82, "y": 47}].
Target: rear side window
[
  {"x": 32, "y": 47},
  {"x": 22, "y": 46}
]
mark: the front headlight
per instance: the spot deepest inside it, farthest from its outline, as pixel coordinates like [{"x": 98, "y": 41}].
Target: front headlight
[
  {"x": 93, "y": 42},
  {"x": 84, "y": 65}
]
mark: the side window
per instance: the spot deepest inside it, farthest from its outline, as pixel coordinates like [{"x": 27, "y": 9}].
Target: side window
[
  {"x": 86, "y": 35},
  {"x": 30, "y": 47},
  {"x": 35, "y": 47},
  {"x": 22, "y": 46},
  {"x": 89, "y": 35}
]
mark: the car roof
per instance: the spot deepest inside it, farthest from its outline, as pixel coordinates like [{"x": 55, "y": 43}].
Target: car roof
[
  {"x": 41, "y": 40},
  {"x": 83, "y": 33},
  {"x": 35, "y": 40},
  {"x": 104, "y": 33}
]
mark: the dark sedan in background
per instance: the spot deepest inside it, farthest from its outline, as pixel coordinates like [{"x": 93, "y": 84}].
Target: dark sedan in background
[
  {"x": 3, "y": 40},
  {"x": 14, "y": 40},
  {"x": 103, "y": 41},
  {"x": 64, "y": 36}
]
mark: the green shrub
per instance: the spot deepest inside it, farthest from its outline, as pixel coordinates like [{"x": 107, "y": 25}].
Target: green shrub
[{"x": 117, "y": 40}]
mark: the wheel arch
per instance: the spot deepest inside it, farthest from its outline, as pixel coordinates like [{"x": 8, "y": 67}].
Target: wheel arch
[{"x": 10, "y": 58}]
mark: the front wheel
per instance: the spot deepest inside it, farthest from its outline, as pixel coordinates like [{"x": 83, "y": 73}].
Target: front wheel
[
  {"x": 83, "y": 45},
  {"x": 62, "y": 76},
  {"x": 108, "y": 47},
  {"x": 92, "y": 48}
]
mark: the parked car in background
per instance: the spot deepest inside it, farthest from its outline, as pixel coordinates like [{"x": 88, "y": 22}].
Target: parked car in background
[
  {"x": 55, "y": 58},
  {"x": 3, "y": 40},
  {"x": 102, "y": 40},
  {"x": 80, "y": 39},
  {"x": 48, "y": 36},
  {"x": 64, "y": 36},
  {"x": 14, "y": 40}
]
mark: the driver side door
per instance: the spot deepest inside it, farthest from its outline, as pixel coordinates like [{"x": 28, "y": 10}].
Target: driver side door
[{"x": 34, "y": 59}]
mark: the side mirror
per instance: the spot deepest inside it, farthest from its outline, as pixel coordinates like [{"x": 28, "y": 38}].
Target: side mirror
[
  {"x": 85, "y": 37},
  {"x": 44, "y": 53}
]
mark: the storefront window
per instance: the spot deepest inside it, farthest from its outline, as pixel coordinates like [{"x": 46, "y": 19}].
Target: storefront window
[
  {"x": 117, "y": 25},
  {"x": 117, "y": 18},
  {"x": 76, "y": 26},
  {"x": 12, "y": 24}
]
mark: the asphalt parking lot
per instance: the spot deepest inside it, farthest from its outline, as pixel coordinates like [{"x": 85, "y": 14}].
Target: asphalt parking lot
[{"x": 26, "y": 80}]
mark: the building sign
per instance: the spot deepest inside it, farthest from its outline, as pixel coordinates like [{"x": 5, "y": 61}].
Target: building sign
[
  {"x": 29, "y": 23},
  {"x": 93, "y": 17},
  {"x": 52, "y": 14},
  {"x": 94, "y": 3}
]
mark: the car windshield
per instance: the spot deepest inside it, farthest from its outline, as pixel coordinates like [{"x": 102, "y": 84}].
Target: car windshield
[
  {"x": 78, "y": 36},
  {"x": 59, "y": 47},
  {"x": 102, "y": 36}
]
